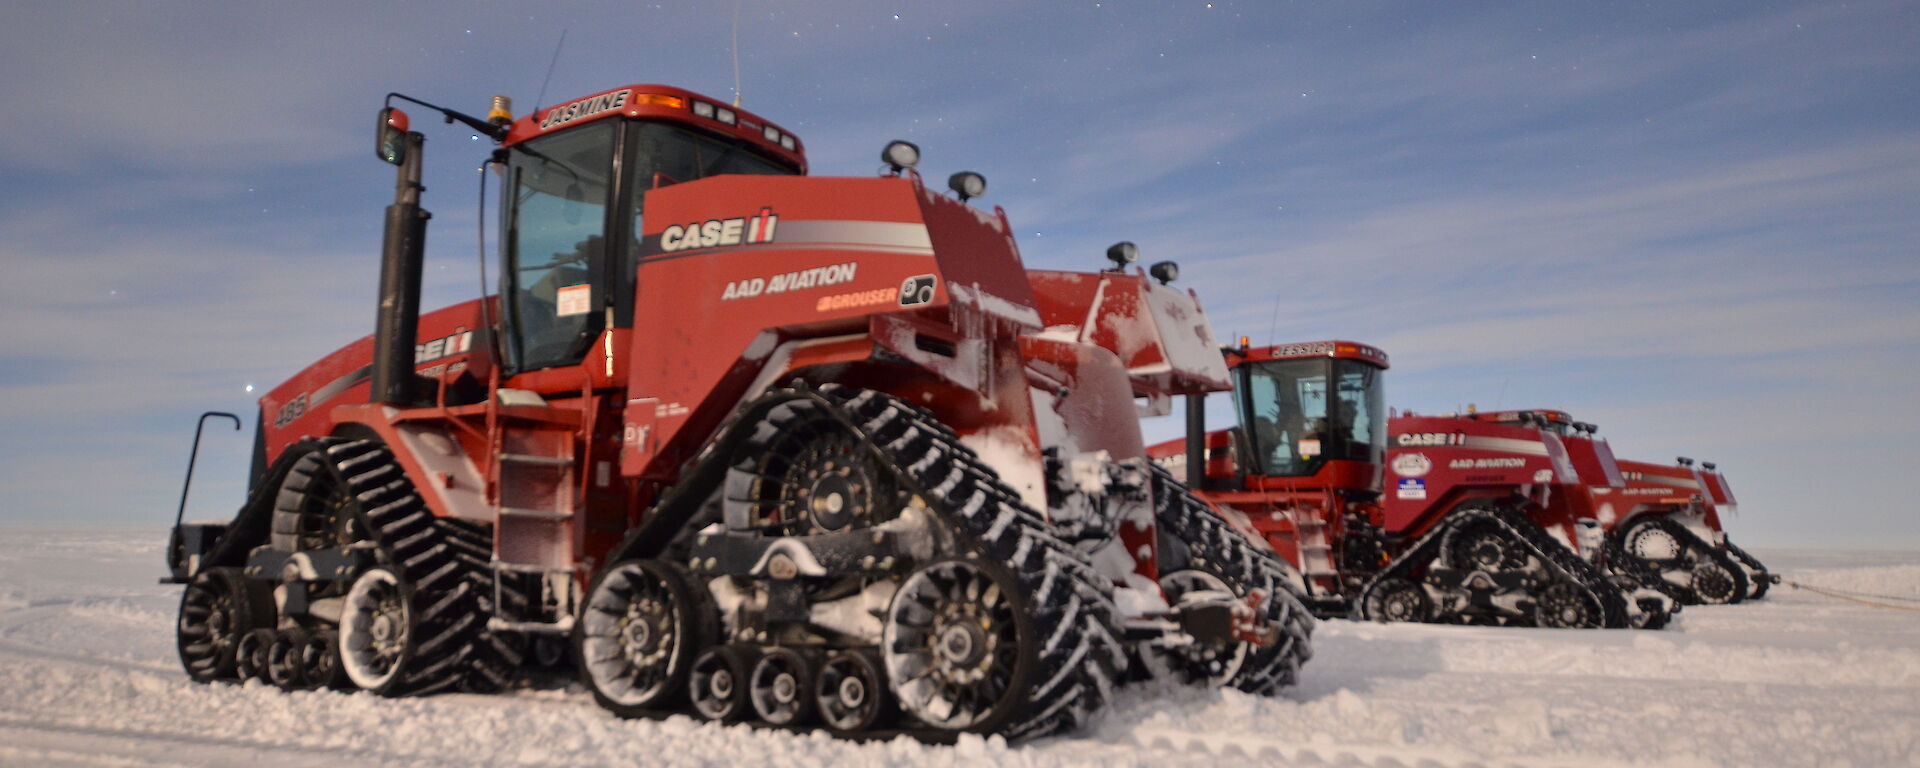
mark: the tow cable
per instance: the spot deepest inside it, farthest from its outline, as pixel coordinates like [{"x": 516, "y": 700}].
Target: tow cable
[{"x": 1862, "y": 598}]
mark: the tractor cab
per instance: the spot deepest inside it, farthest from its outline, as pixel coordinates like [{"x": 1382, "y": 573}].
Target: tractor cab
[
  {"x": 1303, "y": 466},
  {"x": 1311, "y": 411},
  {"x": 577, "y": 180}
]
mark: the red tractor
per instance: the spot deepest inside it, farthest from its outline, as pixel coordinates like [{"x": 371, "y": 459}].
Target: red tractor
[
  {"x": 759, "y": 446},
  {"x": 1662, "y": 522},
  {"x": 1479, "y": 522}
]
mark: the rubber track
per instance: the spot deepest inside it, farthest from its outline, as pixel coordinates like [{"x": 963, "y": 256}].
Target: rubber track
[
  {"x": 1639, "y": 574},
  {"x": 1692, "y": 542},
  {"x": 1758, "y": 577},
  {"x": 1214, "y": 543},
  {"x": 446, "y": 562},
  {"x": 1559, "y": 560},
  {"x": 1080, "y": 657}
]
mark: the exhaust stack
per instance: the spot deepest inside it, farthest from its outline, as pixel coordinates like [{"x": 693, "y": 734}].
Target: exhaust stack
[{"x": 401, "y": 257}]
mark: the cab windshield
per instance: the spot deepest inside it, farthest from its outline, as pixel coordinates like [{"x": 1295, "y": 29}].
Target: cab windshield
[
  {"x": 1294, "y": 424},
  {"x": 556, "y": 233},
  {"x": 558, "y": 280}
]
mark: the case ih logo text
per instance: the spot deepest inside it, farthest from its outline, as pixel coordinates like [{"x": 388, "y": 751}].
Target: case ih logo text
[
  {"x": 442, "y": 347},
  {"x": 585, "y": 108},
  {"x": 1427, "y": 438},
  {"x": 791, "y": 281},
  {"x": 715, "y": 232}
]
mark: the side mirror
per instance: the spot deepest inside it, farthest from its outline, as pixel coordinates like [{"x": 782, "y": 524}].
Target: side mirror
[{"x": 390, "y": 139}]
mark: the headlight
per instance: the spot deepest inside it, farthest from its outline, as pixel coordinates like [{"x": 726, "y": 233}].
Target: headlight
[
  {"x": 900, "y": 154},
  {"x": 967, "y": 184},
  {"x": 1165, "y": 271},
  {"x": 1123, "y": 253}
]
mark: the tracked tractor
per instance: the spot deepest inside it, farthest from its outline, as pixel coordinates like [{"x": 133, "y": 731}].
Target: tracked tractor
[
  {"x": 1662, "y": 522},
  {"x": 1406, "y": 518},
  {"x": 753, "y": 445}
]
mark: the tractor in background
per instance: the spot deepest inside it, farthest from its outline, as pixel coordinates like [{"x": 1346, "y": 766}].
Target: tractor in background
[
  {"x": 1405, "y": 517},
  {"x": 1662, "y": 522},
  {"x": 757, "y": 446}
]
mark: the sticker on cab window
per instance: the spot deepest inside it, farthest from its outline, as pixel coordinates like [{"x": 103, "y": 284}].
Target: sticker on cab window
[{"x": 573, "y": 300}]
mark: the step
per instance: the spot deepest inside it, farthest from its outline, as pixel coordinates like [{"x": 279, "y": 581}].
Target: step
[
  {"x": 528, "y": 458},
  {"x": 506, "y": 567},
  {"x": 561, "y": 627},
  {"x": 535, "y": 514}
]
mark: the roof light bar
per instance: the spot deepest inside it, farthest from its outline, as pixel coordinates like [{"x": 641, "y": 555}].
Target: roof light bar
[{"x": 660, "y": 100}]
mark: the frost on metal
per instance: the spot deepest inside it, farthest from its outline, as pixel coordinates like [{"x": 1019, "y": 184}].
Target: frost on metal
[
  {"x": 995, "y": 306},
  {"x": 1186, "y": 338},
  {"x": 1091, "y": 496}
]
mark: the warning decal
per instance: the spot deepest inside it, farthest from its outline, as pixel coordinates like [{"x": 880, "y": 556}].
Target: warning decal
[{"x": 573, "y": 300}]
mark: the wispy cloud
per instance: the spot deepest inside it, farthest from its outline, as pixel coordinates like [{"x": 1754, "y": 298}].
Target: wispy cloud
[{"x": 1668, "y": 218}]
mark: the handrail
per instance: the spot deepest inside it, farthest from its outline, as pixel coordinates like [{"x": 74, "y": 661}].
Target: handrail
[{"x": 195, "y": 456}]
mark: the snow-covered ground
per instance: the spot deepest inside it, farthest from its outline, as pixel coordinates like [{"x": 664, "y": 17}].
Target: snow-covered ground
[{"x": 88, "y": 677}]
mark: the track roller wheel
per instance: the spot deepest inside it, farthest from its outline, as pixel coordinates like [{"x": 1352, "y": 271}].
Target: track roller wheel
[
  {"x": 1201, "y": 662},
  {"x": 813, "y": 476},
  {"x": 637, "y": 636},
  {"x": 851, "y": 695},
  {"x": 719, "y": 683},
  {"x": 1713, "y": 583},
  {"x": 781, "y": 687},
  {"x": 958, "y": 645},
  {"x": 1564, "y": 605},
  {"x": 251, "y": 658},
  {"x": 321, "y": 655},
  {"x": 217, "y": 612},
  {"x": 1397, "y": 599},
  {"x": 286, "y": 660},
  {"x": 1654, "y": 544},
  {"x": 1483, "y": 546},
  {"x": 376, "y": 631}
]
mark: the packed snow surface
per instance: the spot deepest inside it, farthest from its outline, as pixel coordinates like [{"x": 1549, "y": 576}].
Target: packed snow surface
[{"x": 88, "y": 678}]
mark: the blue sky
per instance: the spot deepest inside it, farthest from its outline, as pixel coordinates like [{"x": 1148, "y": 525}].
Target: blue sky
[{"x": 1691, "y": 223}]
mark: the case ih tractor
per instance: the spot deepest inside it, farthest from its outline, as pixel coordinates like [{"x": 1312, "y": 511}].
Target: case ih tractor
[
  {"x": 759, "y": 446},
  {"x": 1663, "y": 521},
  {"x": 1479, "y": 522},
  {"x": 1668, "y": 517}
]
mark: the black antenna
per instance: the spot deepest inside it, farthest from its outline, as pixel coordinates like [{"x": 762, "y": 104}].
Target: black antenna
[
  {"x": 549, "y": 77},
  {"x": 736, "y": 53}
]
